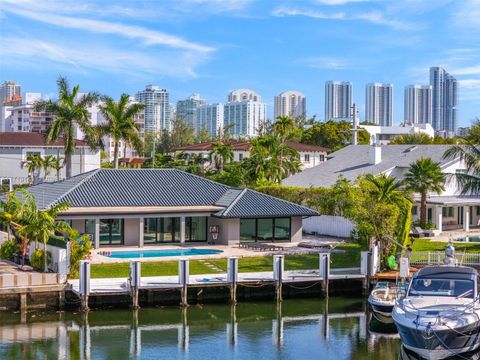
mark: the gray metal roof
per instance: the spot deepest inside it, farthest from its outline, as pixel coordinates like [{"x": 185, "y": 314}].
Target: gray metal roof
[
  {"x": 353, "y": 161},
  {"x": 160, "y": 187}
]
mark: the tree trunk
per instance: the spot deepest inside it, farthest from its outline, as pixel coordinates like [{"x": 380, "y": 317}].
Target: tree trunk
[
  {"x": 115, "y": 155},
  {"x": 45, "y": 257},
  {"x": 58, "y": 174},
  {"x": 423, "y": 209},
  {"x": 68, "y": 165}
]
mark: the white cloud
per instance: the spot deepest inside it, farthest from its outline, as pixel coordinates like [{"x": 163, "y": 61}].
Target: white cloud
[
  {"x": 467, "y": 14},
  {"x": 374, "y": 17},
  {"x": 339, "y": 2},
  {"x": 326, "y": 62},
  {"x": 467, "y": 70}
]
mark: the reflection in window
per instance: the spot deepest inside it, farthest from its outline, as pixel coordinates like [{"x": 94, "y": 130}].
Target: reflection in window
[
  {"x": 265, "y": 229},
  {"x": 111, "y": 231}
]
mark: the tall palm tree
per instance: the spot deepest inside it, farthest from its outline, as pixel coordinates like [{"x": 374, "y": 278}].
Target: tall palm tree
[
  {"x": 70, "y": 112},
  {"x": 57, "y": 165},
  {"x": 424, "y": 176},
  {"x": 282, "y": 127},
  {"x": 222, "y": 153},
  {"x": 469, "y": 152},
  {"x": 34, "y": 164},
  {"x": 48, "y": 163},
  {"x": 121, "y": 124}
]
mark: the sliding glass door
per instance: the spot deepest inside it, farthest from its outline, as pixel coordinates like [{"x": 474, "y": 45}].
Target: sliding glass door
[
  {"x": 265, "y": 229},
  {"x": 167, "y": 229},
  {"x": 111, "y": 231}
]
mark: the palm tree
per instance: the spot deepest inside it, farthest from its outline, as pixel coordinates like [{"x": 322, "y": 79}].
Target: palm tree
[
  {"x": 469, "y": 152},
  {"x": 70, "y": 111},
  {"x": 48, "y": 163},
  {"x": 424, "y": 176},
  {"x": 283, "y": 127},
  {"x": 222, "y": 153},
  {"x": 33, "y": 163},
  {"x": 57, "y": 165},
  {"x": 121, "y": 124}
]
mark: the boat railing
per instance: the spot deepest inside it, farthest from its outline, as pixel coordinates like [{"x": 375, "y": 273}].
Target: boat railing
[{"x": 437, "y": 258}]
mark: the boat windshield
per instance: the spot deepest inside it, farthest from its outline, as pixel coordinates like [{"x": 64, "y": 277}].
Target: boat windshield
[{"x": 442, "y": 287}]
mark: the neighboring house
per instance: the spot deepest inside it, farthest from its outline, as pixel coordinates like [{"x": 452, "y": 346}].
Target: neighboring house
[
  {"x": 15, "y": 147},
  {"x": 139, "y": 207},
  {"x": 385, "y": 134},
  {"x": 310, "y": 155},
  {"x": 446, "y": 211}
]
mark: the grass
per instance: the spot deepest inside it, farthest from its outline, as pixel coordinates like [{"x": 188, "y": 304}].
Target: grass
[
  {"x": 425, "y": 244},
  {"x": 349, "y": 258}
]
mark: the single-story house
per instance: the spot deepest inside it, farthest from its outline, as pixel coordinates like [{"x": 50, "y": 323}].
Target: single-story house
[
  {"x": 448, "y": 211},
  {"x": 310, "y": 155},
  {"x": 140, "y": 207},
  {"x": 16, "y": 146}
]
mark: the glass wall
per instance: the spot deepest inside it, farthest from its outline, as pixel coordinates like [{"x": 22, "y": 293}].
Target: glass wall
[
  {"x": 265, "y": 229},
  {"x": 111, "y": 231},
  {"x": 196, "y": 228},
  {"x": 90, "y": 229},
  {"x": 167, "y": 230}
]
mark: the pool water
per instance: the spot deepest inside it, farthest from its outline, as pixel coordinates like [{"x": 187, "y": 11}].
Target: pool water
[
  {"x": 135, "y": 254},
  {"x": 474, "y": 239}
]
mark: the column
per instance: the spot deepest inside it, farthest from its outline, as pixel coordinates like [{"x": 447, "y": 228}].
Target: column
[
  {"x": 439, "y": 218},
  {"x": 466, "y": 218},
  {"x": 140, "y": 231},
  {"x": 182, "y": 229},
  {"x": 97, "y": 233}
]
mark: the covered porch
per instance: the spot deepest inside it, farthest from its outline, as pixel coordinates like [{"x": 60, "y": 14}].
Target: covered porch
[{"x": 449, "y": 213}]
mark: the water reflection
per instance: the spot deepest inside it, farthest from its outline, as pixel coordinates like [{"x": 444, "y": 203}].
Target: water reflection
[{"x": 297, "y": 329}]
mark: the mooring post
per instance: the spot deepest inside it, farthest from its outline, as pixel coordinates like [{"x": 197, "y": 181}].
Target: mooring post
[
  {"x": 135, "y": 279},
  {"x": 364, "y": 270},
  {"x": 232, "y": 328},
  {"x": 23, "y": 302},
  {"x": 183, "y": 277},
  {"x": 325, "y": 272},
  {"x": 278, "y": 268},
  {"x": 232, "y": 277},
  {"x": 84, "y": 284},
  {"x": 369, "y": 271}
]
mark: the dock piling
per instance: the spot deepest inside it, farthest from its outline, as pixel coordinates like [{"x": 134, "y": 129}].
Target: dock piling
[
  {"x": 135, "y": 279},
  {"x": 278, "y": 268},
  {"x": 325, "y": 272},
  {"x": 84, "y": 284},
  {"x": 232, "y": 277},
  {"x": 183, "y": 279}
]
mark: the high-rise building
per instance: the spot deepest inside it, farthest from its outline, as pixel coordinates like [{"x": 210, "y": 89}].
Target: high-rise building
[
  {"x": 10, "y": 91},
  {"x": 379, "y": 104},
  {"x": 338, "y": 100},
  {"x": 418, "y": 104},
  {"x": 24, "y": 117},
  {"x": 210, "y": 118},
  {"x": 186, "y": 109},
  {"x": 244, "y": 113},
  {"x": 444, "y": 100},
  {"x": 157, "y": 108},
  {"x": 291, "y": 103}
]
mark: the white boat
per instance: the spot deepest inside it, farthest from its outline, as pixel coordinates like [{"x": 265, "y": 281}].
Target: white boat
[
  {"x": 382, "y": 300},
  {"x": 440, "y": 315}
]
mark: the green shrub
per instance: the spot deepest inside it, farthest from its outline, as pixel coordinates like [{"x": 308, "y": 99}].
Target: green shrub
[
  {"x": 37, "y": 259},
  {"x": 8, "y": 249},
  {"x": 78, "y": 251}
]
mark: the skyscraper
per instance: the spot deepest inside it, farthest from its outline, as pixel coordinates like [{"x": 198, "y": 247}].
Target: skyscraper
[
  {"x": 338, "y": 100},
  {"x": 244, "y": 112},
  {"x": 418, "y": 104},
  {"x": 186, "y": 109},
  {"x": 291, "y": 103},
  {"x": 210, "y": 118},
  {"x": 157, "y": 108},
  {"x": 444, "y": 100},
  {"x": 379, "y": 104},
  {"x": 9, "y": 91}
]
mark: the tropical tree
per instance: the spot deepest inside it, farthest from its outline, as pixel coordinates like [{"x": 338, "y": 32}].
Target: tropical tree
[
  {"x": 34, "y": 164},
  {"x": 48, "y": 163},
  {"x": 57, "y": 164},
  {"x": 120, "y": 125},
  {"x": 222, "y": 153},
  {"x": 282, "y": 128},
  {"x": 70, "y": 111},
  {"x": 424, "y": 176}
]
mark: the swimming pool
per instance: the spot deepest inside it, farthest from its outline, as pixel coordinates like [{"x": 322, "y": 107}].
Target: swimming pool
[
  {"x": 473, "y": 239},
  {"x": 135, "y": 254}
]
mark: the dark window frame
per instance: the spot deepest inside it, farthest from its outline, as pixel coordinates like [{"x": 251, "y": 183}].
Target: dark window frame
[
  {"x": 273, "y": 228},
  {"x": 122, "y": 235}
]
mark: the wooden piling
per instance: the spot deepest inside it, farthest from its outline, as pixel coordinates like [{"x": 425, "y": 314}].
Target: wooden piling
[
  {"x": 232, "y": 276},
  {"x": 278, "y": 266}
]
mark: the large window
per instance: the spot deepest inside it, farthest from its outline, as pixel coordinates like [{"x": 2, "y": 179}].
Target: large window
[
  {"x": 90, "y": 229},
  {"x": 111, "y": 231},
  {"x": 167, "y": 230},
  {"x": 447, "y": 211},
  {"x": 196, "y": 228},
  {"x": 265, "y": 229}
]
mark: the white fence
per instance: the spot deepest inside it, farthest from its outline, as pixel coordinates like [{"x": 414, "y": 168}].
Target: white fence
[
  {"x": 60, "y": 259},
  {"x": 3, "y": 237},
  {"x": 437, "y": 257},
  {"x": 328, "y": 225}
]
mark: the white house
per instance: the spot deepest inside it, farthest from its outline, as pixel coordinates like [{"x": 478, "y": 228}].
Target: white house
[
  {"x": 447, "y": 211},
  {"x": 310, "y": 155},
  {"x": 385, "y": 134},
  {"x": 16, "y": 146}
]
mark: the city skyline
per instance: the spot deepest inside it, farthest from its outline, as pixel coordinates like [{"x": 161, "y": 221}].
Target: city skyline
[{"x": 171, "y": 46}]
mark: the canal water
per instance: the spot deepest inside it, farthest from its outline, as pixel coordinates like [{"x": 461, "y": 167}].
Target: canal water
[{"x": 339, "y": 329}]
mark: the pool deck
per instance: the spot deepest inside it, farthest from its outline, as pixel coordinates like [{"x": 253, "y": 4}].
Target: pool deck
[{"x": 448, "y": 235}]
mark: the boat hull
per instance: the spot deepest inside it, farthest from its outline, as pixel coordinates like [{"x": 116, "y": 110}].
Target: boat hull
[{"x": 440, "y": 344}]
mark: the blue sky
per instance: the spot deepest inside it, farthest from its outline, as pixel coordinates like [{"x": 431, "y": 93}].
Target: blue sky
[{"x": 214, "y": 46}]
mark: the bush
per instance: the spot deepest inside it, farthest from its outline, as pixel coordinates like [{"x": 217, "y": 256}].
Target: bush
[
  {"x": 78, "y": 251},
  {"x": 37, "y": 259},
  {"x": 8, "y": 250}
]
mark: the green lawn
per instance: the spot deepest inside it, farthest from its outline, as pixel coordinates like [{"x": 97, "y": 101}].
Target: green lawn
[
  {"x": 349, "y": 258},
  {"x": 427, "y": 245}
]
